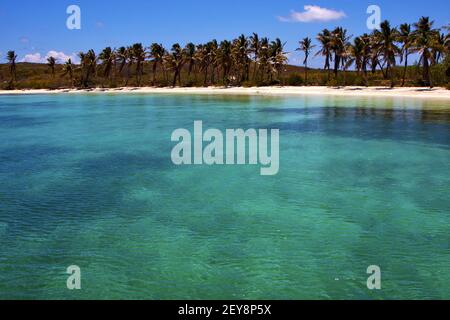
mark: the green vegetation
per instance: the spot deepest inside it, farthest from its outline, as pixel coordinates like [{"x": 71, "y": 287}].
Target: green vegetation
[
  {"x": 306, "y": 46},
  {"x": 252, "y": 61}
]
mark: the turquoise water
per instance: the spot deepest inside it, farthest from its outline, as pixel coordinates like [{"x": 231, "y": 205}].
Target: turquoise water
[{"x": 87, "y": 180}]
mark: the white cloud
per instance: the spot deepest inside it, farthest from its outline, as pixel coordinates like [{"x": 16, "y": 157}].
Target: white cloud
[
  {"x": 32, "y": 58},
  {"x": 60, "y": 57},
  {"x": 313, "y": 14}
]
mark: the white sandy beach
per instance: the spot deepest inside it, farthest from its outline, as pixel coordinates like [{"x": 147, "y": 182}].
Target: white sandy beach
[{"x": 410, "y": 92}]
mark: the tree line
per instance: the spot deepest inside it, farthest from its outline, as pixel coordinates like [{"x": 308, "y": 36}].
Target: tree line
[{"x": 258, "y": 60}]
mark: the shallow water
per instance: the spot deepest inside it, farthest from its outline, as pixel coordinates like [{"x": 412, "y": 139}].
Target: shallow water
[{"x": 87, "y": 180}]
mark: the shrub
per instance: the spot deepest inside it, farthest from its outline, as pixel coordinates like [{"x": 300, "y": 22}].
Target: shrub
[
  {"x": 248, "y": 84},
  {"x": 295, "y": 80},
  {"x": 438, "y": 75},
  {"x": 189, "y": 83},
  {"x": 359, "y": 81},
  {"x": 274, "y": 82},
  {"x": 323, "y": 80},
  {"x": 332, "y": 83}
]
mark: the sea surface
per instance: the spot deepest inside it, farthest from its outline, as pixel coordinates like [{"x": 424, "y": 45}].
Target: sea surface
[{"x": 87, "y": 180}]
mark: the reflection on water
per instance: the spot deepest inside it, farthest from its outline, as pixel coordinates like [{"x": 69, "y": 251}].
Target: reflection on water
[{"x": 370, "y": 123}]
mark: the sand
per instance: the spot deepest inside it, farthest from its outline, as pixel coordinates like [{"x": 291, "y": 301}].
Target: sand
[{"x": 409, "y": 92}]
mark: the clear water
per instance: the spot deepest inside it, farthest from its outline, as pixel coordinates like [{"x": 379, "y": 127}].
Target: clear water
[{"x": 87, "y": 180}]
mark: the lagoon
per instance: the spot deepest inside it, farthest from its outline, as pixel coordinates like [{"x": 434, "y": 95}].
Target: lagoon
[{"x": 87, "y": 180}]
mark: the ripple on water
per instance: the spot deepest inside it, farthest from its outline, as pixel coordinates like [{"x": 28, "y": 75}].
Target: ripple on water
[{"x": 89, "y": 181}]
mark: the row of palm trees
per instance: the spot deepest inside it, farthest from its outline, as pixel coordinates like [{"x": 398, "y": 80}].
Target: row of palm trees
[
  {"x": 381, "y": 49},
  {"x": 229, "y": 60},
  {"x": 260, "y": 60}
]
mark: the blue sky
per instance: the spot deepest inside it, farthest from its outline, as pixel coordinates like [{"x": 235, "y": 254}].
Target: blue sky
[{"x": 35, "y": 28}]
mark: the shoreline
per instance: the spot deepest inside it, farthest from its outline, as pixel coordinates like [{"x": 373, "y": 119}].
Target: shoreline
[{"x": 405, "y": 92}]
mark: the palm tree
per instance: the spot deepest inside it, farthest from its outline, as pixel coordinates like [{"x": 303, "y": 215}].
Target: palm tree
[
  {"x": 189, "y": 56},
  {"x": 176, "y": 61},
  {"x": 339, "y": 43},
  {"x": 405, "y": 39},
  {"x": 240, "y": 54},
  {"x": 347, "y": 59},
  {"x": 224, "y": 59},
  {"x": 324, "y": 38},
  {"x": 277, "y": 57},
  {"x": 440, "y": 46},
  {"x": 139, "y": 56},
  {"x": 157, "y": 53},
  {"x": 11, "y": 57},
  {"x": 129, "y": 63},
  {"x": 356, "y": 54},
  {"x": 213, "y": 51},
  {"x": 447, "y": 40},
  {"x": 88, "y": 66},
  {"x": 121, "y": 58},
  {"x": 264, "y": 58},
  {"x": 255, "y": 45},
  {"x": 203, "y": 57},
  {"x": 68, "y": 69},
  {"x": 92, "y": 64},
  {"x": 306, "y": 46},
  {"x": 366, "y": 51},
  {"x": 51, "y": 62},
  {"x": 108, "y": 58},
  {"x": 82, "y": 57},
  {"x": 424, "y": 39},
  {"x": 374, "y": 53},
  {"x": 387, "y": 37}
]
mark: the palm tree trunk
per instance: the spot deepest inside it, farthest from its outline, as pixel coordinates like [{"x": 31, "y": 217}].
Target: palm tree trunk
[
  {"x": 191, "y": 64},
  {"x": 212, "y": 75},
  {"x": 128, "y": 76},
  {"x": 224, "y": 77},
  {"x": 155, "y": 65},
  {"x": 138, "y": 76},
  {"x": 336, "y": 65},
  {"x": 306, "y": 73},
  {"x": 175, "y": 76},
  {"x": 114, "y": 74},
  {"x": 404, "y": 71},
  {"x": 195, "y": 72},
  {"x": 255, "y": 68},
  {"x": 86, "y": 79},
  {"x": 205, "y": 81},
  {"x": 165, "y": 74},
  {"x": 385, "y": 76},
  {"x": 247, "y": 71},
  {"x": 365, "y": 74},
  {"x": 391, "y": 75},
  {"x": 426, "y": 70},
  {"x": 327, "y": 66},
  {"x": 345, "y": 76}
]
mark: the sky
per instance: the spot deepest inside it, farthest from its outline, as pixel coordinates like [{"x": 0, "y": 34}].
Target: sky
[{"x": 37, "y": 29}]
